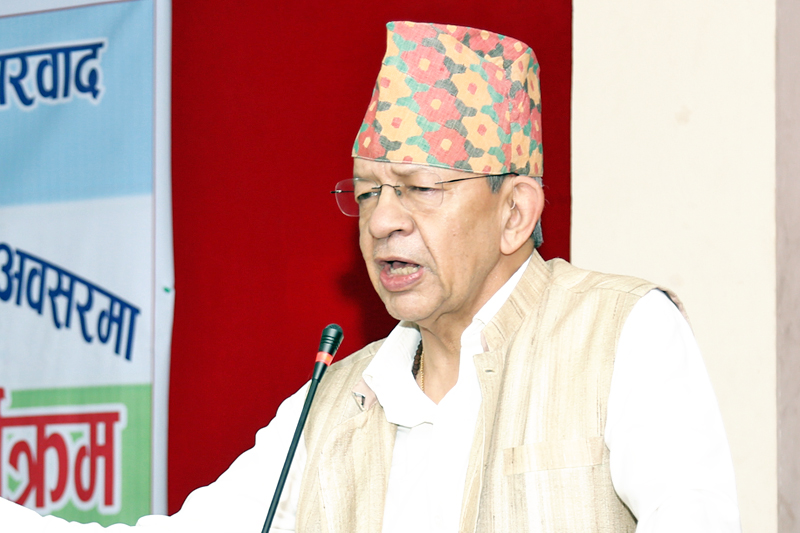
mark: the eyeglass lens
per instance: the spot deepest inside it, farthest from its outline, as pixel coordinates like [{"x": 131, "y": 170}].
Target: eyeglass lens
[{"x": 359, "y": 196}]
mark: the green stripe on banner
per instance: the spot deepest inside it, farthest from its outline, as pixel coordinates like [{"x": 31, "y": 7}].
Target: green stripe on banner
[{"x": 135, "y": 447}]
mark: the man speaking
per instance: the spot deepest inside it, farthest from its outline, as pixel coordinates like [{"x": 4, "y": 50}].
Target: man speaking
[{"x": 514, "y": 394}]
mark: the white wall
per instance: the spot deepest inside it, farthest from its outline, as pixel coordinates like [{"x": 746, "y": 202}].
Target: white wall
[{"x": 673, "y": 180}]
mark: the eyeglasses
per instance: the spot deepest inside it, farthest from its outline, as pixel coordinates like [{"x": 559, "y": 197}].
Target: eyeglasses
[{"x": 357, "y": 196}]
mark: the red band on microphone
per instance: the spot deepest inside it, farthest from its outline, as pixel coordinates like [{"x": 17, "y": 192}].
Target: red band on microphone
[{"x": 323, "y": 357}]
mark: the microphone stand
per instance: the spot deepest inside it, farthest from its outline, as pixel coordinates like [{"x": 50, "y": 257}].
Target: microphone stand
[{"x": 331, "y": 339}]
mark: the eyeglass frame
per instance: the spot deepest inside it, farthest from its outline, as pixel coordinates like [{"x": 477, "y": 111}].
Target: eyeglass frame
[{"x": 396, "y": 188}]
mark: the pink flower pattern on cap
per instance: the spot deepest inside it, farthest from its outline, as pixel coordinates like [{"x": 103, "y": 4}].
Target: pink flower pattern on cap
[{"x": 455, "y": 97}]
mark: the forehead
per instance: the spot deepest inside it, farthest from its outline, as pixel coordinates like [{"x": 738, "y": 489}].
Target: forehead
[{"x": 387, "y": 172}]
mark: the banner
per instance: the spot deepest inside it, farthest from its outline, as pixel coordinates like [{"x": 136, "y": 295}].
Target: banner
[{"x": 86, "y": 277}]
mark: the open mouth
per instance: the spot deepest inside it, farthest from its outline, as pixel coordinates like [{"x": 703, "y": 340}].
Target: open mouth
[
  {"x": 398, "y": 276},
  {"x": 401, "y": 268}
]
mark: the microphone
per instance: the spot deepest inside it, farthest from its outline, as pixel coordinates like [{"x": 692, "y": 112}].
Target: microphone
[{"x": 331, "y": 339}]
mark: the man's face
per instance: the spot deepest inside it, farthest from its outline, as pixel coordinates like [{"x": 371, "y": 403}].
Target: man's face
[{"x": 432, "y": 267}]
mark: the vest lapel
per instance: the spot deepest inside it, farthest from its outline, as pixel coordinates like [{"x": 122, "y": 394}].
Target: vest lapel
[{"x": 490, "y": 366}]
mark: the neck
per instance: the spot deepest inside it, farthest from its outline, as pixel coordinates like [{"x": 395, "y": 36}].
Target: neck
[{"x": 440, "y": 362}]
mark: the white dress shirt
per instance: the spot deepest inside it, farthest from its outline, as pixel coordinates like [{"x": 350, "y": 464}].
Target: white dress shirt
[{"x": 670, "y": 461}]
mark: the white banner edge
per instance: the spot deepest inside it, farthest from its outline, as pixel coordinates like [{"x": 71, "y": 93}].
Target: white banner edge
[{"x": 164, "y": 274}]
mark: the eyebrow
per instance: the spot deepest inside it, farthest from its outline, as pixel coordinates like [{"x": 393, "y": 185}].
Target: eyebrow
[
  {"x": 404, "y": 172},
  {"x": 410, "y": 171}
]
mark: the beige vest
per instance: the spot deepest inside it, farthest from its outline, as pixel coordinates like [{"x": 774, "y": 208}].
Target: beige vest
[{"x": 538, "y": 460}]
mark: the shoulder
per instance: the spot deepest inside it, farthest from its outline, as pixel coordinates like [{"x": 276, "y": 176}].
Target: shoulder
[
  {"x": 577, "y": 280},
  {"x": 580, "y": 282}
]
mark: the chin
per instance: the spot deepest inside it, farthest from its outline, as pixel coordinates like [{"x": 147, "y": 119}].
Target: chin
[{"x": 405, "y": 311}]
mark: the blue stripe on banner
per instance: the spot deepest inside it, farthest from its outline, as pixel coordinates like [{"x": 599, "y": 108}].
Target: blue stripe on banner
[{"x": 76, "y": 103}]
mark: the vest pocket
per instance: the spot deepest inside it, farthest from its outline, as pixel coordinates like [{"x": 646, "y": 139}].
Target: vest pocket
[{"x": 553, "y": 455}]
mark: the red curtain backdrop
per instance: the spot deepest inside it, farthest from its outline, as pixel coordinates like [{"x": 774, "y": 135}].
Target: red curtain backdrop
[{"x": 266, "y": 101}]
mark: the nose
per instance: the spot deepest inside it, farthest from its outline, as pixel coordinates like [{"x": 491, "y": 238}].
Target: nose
[{"x": 389, "y": 215}]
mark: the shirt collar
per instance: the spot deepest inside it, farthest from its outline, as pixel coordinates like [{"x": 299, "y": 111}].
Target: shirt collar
[{"x": 486, "y": 313}]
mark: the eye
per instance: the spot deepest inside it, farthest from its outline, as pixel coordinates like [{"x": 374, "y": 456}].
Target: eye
[
  {"x": 422, "y": 190},
  {"x": 366, "y": 196}
]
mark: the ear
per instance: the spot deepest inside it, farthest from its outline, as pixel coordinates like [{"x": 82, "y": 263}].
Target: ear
[{"x": 524, "y": 205}]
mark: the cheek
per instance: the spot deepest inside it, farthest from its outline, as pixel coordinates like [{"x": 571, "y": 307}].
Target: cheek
[
  {"x": 462, "y": 236},
  {"x": 364, "y": 242},
  {"x": 467, "y": 246},
  {"x": 448, "y": 247}
]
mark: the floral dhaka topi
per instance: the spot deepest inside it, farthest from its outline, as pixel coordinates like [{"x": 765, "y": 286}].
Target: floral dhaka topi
[{"x": 455, "y": 97}]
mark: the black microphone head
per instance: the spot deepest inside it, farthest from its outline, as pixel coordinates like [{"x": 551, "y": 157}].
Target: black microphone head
[{"x": 332, "y": 337}]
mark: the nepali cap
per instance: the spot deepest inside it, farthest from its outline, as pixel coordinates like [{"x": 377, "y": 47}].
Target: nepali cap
[{"x": 455, "y": 97}]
